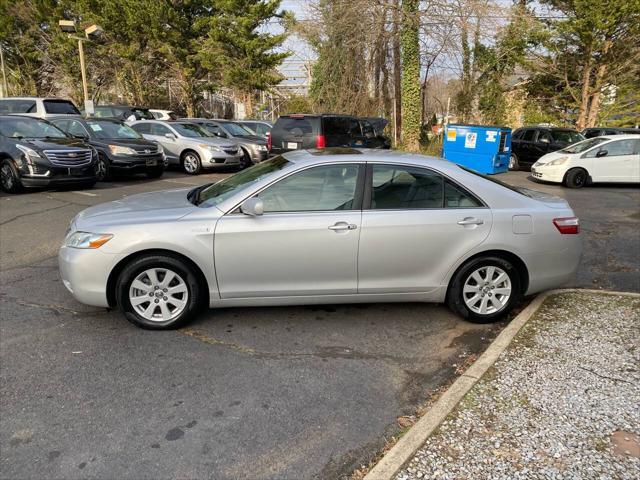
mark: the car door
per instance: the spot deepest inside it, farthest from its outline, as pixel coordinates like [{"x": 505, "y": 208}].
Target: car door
[
  {"x": 542, "y": 145},
  {"x": 416, "y": 224},
  {"x": 616, "y": 161},
  {"x": 171, "y": 145},
  {"x": 305, "y": 243}
]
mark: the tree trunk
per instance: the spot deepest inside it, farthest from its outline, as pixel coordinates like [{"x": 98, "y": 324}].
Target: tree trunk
[
  {"x": 594, "y": 105},
  {"x": 585, "y": 94},
  {"x": 397, "y": 70},
  {"x": 411, "y": 98}
]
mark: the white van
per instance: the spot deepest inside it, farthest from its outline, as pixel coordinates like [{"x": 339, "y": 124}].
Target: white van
[{"x": 40, "y": 107}]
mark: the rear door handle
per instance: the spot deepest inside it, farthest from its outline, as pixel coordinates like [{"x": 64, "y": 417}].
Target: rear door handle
[
  {"x": 343, "y": 226},
  {"x": 471, "y": 221}
]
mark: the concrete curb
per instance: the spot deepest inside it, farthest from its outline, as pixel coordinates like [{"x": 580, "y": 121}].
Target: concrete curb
[{"x": 415, "y": 437}]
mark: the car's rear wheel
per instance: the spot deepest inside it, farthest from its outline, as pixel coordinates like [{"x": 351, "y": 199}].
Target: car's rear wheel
[
  {"x": 158, "y": 292},
  {"x": 485, "y": 289},
  {"x": 191, "y": 163},
  {"x": 514, "y": 163},
  {"x": 9, "y": 178},
  {"x": 576, "y": 178}
]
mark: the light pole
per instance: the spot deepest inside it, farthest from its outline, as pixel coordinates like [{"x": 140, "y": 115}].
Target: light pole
[
  {"x": 69, "y": 26},
  {"x": 5, "y": 87}
]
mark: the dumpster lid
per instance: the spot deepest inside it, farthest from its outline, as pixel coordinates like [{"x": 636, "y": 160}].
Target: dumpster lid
[{"x": 477, "y": 125}]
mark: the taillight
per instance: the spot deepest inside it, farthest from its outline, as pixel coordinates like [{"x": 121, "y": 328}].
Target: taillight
[
  {"x": 320, "y": 141},
  {"x": 567, "y": 225},
  {"x": 269, "y": 144}
]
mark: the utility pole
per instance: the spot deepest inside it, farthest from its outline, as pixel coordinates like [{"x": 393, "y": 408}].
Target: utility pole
[
  {"x": 85, "y": 90},
  {"x": 5, "y": 87}
]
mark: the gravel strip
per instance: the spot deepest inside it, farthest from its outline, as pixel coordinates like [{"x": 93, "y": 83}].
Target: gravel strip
[{"x": 548, "y": 407}]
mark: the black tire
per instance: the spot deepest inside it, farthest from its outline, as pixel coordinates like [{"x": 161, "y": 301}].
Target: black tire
[
  {"x": 9, "y": 178},
  {"x": 576, "y": 178},
  {"x": 194, "y": 298},
  {"x": 514, "y": 162},
  {"x": 191, "y": 163},
  {"x": 155, "y": 173},
  {"x": 246, "y": 160},
  {"x": 103, "y": 169},
  {"x": 456, "y": 296}
]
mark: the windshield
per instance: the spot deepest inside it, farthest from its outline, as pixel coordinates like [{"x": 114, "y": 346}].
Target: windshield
[
  {"x": 584, "y": 145},
  {"x": 190, "y": 130},
  {"x": 236, "y": 130},
  {"x": 566, "y": 136},
  {"x": 226, "y": 188},
  {"x": 29, "y": 128},
  {"x": 104, "y": 129}
]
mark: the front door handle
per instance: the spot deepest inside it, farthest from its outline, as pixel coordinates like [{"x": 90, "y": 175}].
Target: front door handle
[
  {"x": 343, "y": 226},
  {"x": 471, "y": 221}
]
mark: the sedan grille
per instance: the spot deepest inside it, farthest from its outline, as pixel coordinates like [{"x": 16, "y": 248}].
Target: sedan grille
[
  {"x": 230, "y": 149},
  {"x": 69, "y": 158},
  {"x": 151, "y": 150}
]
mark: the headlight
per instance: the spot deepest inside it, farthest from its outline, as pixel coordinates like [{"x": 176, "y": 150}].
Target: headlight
[
  {"x": 159, "y": 148},
  {"x": 558, "y": 161},
  {"x": 30, "y": 154},
  {"x": 87, "y": 240},
  {"x": 213, "y": 148},
  {"x": 118, "y": 150}
]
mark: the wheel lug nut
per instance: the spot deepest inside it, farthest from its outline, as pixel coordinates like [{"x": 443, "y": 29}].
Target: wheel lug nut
[
  {"x": 164, "y": 289},
  {"x": 155, "y": 287},
  {"x": 156, "y": 300},
  {"x": 151, "y": 294},
  {"x": 164, "y": 298}
]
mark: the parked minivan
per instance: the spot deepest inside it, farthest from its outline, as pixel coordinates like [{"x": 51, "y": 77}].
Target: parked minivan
[
  {"x": 37, "y": 106},
  {"x": 302, "y": 131}
]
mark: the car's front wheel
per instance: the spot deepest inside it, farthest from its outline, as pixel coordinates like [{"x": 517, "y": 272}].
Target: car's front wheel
[
  {"x": 191, "y": 163},
  {"x": 576, "y": 178},
  {"x": 246, "y": 161},
  {"x": 9, "y": 178},
  {"x": 158, "y": 292},
  {"x": 484, "y": 290},
  {"x": 102, "y": 169}
]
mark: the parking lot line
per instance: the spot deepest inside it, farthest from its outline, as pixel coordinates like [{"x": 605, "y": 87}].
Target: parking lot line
[
  {"x": 178, "y": 182},
  {"x": 88, "y": 194}
]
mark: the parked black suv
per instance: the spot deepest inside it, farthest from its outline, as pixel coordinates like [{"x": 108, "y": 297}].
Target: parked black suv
[
  {"x": 35, "y": 153},
  {"x": 601, "y": 131},
  {"x": 528, "y": 144},
  {"x": 302, "y": 131},
  {"x": 121, "y": 150}
]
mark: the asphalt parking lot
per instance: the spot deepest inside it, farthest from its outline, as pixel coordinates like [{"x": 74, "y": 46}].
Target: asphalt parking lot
[{"x": 295, "y": 392}]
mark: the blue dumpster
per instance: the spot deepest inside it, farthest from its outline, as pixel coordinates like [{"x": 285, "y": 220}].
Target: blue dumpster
[{"x": 485, "y": 149}]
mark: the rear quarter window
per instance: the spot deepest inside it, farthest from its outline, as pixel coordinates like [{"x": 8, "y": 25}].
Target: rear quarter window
[
  {"x": 61, "y": 107},
  {"x": 17, "y": 106}
]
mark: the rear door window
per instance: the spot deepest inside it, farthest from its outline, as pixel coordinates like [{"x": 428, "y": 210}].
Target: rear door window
[
  {"x": 61, "y": 107},
  {"x": 157, "y": 129},
  {"x": 395, "y": 187},
  {"x": 529, "y": 135},
  {"x": 142, "y": 127}
]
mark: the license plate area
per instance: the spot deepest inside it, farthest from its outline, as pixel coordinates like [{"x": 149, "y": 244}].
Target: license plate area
[
  {"x": 292, "y": 145},
  {"x": 151, "y": 162}
]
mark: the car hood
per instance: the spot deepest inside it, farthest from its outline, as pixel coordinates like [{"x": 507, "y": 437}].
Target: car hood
[
  {"x": 149, "y": 207},
  {"x": 218, "y": 142},
  {"x": 53, "y": 143},
  {"x": 251, "y": 139}
]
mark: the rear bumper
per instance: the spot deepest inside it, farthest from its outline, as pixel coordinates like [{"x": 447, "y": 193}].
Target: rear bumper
[{"x": 554, "y": 269}]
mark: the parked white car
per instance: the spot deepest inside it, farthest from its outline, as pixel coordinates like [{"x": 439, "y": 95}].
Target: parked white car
[
  {"x": 614, "y": 158},
  {"x": 38, "y": 106},
  {"x": 163, "y": 114}
]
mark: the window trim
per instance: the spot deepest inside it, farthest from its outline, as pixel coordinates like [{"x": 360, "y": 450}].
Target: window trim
[
  {"x": 368, "y": 190},
  {"x": 357, "y": 197}
]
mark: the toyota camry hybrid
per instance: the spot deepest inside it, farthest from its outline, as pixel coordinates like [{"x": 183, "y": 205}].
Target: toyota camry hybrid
[{"x": 323, "y": 226}]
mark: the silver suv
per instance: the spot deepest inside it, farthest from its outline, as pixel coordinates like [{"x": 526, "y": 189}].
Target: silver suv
[{"x": 189, "y": 146}]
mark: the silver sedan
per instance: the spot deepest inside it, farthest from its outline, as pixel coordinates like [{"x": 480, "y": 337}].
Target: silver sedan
[{"x": 326, "y": 226}]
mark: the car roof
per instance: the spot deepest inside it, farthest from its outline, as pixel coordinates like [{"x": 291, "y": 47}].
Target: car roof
[
  {"x": 37, "y": 98},
  {"x": 364, "y": 154},
  {"x": 628, "y": 136}
]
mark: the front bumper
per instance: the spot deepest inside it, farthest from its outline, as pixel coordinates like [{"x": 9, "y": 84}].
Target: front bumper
[
  {"x": 48, "y": 176},
  {"x": 258, "y": 156},
  {"x": 137, "y": 164},
  {"x": 85, "y": 272},
  {"x": 214, "y": 159},
  {"x": 548, "y": 174}
]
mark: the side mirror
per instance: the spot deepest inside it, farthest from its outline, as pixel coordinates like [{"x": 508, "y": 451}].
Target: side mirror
[
  {"x": 544, "y": 140},
  {"x": 170, "y": 135},
  {"x": 602, "y": 153},
  {"x": 253, "y": 207}
]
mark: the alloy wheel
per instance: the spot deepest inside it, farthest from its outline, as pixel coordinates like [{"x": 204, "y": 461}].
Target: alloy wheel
[
  {"x": 101, "y": 169},
  {"x": 6, "y": 176},
  {"x": 487, "y": 290},
  {"x": 158, "y": 294},
  {"x": 190, "y": 163}
]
